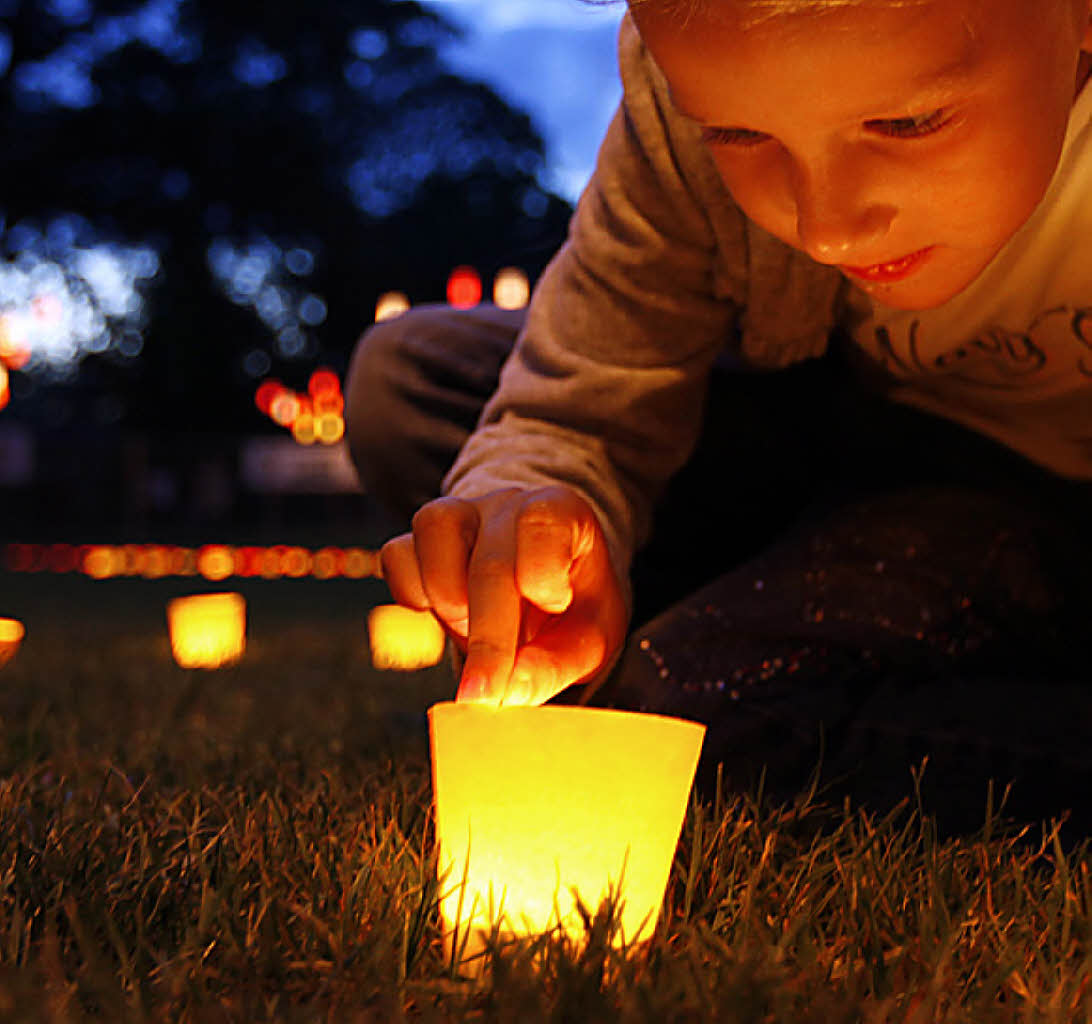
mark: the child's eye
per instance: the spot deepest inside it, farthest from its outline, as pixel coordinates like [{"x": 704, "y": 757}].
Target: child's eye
[
  {"x": 910, "y": 127},
  {"x": 732, "y": 137}
]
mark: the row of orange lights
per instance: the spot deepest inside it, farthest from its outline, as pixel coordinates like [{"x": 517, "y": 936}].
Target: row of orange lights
[
  {"x": 211, "y": 561},
  {"x": 209, "y": 631}
]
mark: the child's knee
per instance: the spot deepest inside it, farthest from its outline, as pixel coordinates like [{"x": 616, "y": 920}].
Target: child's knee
[
  {"x": 372, "y": 394},
  {"x": 414, "y": 390}
]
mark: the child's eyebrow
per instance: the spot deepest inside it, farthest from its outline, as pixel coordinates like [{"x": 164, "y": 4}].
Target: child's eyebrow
[{"x": 927, "y": 87}]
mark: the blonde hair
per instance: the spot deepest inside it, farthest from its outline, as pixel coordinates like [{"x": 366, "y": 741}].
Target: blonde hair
[{"x": 754, "y": 12}]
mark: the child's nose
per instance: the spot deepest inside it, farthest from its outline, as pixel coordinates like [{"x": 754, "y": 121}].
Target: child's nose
[{"x": 839, "y": 219}]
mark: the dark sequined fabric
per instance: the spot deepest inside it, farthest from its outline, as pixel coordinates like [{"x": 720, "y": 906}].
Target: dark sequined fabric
[{"x": 931, "y": 622}]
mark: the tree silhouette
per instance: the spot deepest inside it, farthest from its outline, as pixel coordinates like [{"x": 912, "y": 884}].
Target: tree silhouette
[{"x": 282, "y": 164}]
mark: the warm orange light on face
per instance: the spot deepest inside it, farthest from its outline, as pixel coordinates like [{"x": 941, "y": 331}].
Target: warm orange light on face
[
  {"x": 404, "y": 639},
  {"x": 534, "y": 802},
  {"x": 207, "y": 630},
  {"x": 11, "y": 636}
]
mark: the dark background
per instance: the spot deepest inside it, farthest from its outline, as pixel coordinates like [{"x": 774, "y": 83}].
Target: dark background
[{"x": 263, "y": 172}]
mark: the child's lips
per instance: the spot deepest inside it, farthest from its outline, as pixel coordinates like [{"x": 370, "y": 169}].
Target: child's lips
[{"x": 895, "y": 270}]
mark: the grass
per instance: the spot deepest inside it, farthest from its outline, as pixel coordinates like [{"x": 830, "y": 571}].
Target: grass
[{"x": 254, "y": 845}]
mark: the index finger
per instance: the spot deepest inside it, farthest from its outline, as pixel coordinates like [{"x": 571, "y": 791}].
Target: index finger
[{"x": 494, "y": 606}]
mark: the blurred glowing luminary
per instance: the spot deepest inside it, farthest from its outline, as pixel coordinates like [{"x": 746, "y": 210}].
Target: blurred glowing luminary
[
  {"x": 303, "y": 428},
  {"x": 510, "y": 289},
  {"x": 404, "y": 639},
  {"x": 11, "y": 636},
  {"x": 360, "y": 562},
  {"x": 391, "y": 304},
  {"x": 532, "y": 803},
  {"x": 207, "y": 630},
  {"x": 464, "y": 288},
  {"x": 216, "y": 562}
]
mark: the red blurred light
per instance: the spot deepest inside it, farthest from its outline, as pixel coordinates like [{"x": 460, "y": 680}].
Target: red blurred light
[
  {"x": 328, "y": 562},
  {"x": 62, "y": 557},
  {"x": 296, "y": 562},
  {"x": 329, "y": 403},
  {"x": 272, "y": 562},
  {"x": 324, "y": 382},
  {"x": 464, "y": 288},
  {"x": 248, "y": 561},
  {"x": 266, "y": 393},
  {"x": 21, "y": 557}
]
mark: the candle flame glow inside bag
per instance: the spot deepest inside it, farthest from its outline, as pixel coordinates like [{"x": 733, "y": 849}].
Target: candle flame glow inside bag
[
  {"x": 405, "y": 639},
  {"x": 11, "y": 636},
  {"x": 534, "y": 802},
  {"x": 207, "y": 630}
]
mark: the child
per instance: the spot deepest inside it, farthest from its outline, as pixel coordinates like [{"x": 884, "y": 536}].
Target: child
[{"x": 886, "y": 202}]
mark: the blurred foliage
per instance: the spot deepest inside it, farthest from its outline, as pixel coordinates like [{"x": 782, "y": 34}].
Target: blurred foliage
[{"x": 324, "y": 143}]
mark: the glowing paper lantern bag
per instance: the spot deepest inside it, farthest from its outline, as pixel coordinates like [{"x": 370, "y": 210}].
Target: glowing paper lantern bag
[
  {"x": 11, "y": 636},
  {"x": 207, "y": 630},
  {"x": 534, "y": 802},
  {"x": 403, "y": 638}
]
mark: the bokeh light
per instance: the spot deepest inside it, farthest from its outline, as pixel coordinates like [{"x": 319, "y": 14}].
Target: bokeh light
[
  {"x": 216, "y": 561},
  {"x": 391, "y": 304},
  {"x": 12, "y": 632},
  {"x": 207, "y": 630},
  {"x": 403, "y": 638},
  {"x": 464, "y": 288},
  {"x": 511, "y": 289},
  {"x": 212, "y": 561}
]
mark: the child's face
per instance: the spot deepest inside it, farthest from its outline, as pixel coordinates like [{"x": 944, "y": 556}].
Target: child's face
[{"x": 903, "y": 145}]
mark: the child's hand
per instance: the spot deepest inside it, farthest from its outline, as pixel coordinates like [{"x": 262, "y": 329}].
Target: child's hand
[{"x": 522, "y": 581}]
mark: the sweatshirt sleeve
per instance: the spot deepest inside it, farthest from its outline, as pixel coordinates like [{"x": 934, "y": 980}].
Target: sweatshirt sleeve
[{"x": 605, "y": 387}]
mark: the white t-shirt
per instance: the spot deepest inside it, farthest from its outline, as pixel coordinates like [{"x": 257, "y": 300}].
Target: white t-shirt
[{"x": 1011, "y": 355}]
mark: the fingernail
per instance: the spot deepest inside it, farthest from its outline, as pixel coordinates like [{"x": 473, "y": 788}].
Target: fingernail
[
  {"x": 520, "y": 691},
  {"x": 472, "y": 690}
]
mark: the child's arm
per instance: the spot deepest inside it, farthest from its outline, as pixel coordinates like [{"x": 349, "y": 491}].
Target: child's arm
[
  {"x": 523, "y": 583},
  {"x": 605, "y": 387},
  {"x": 601, "y": 400}
]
